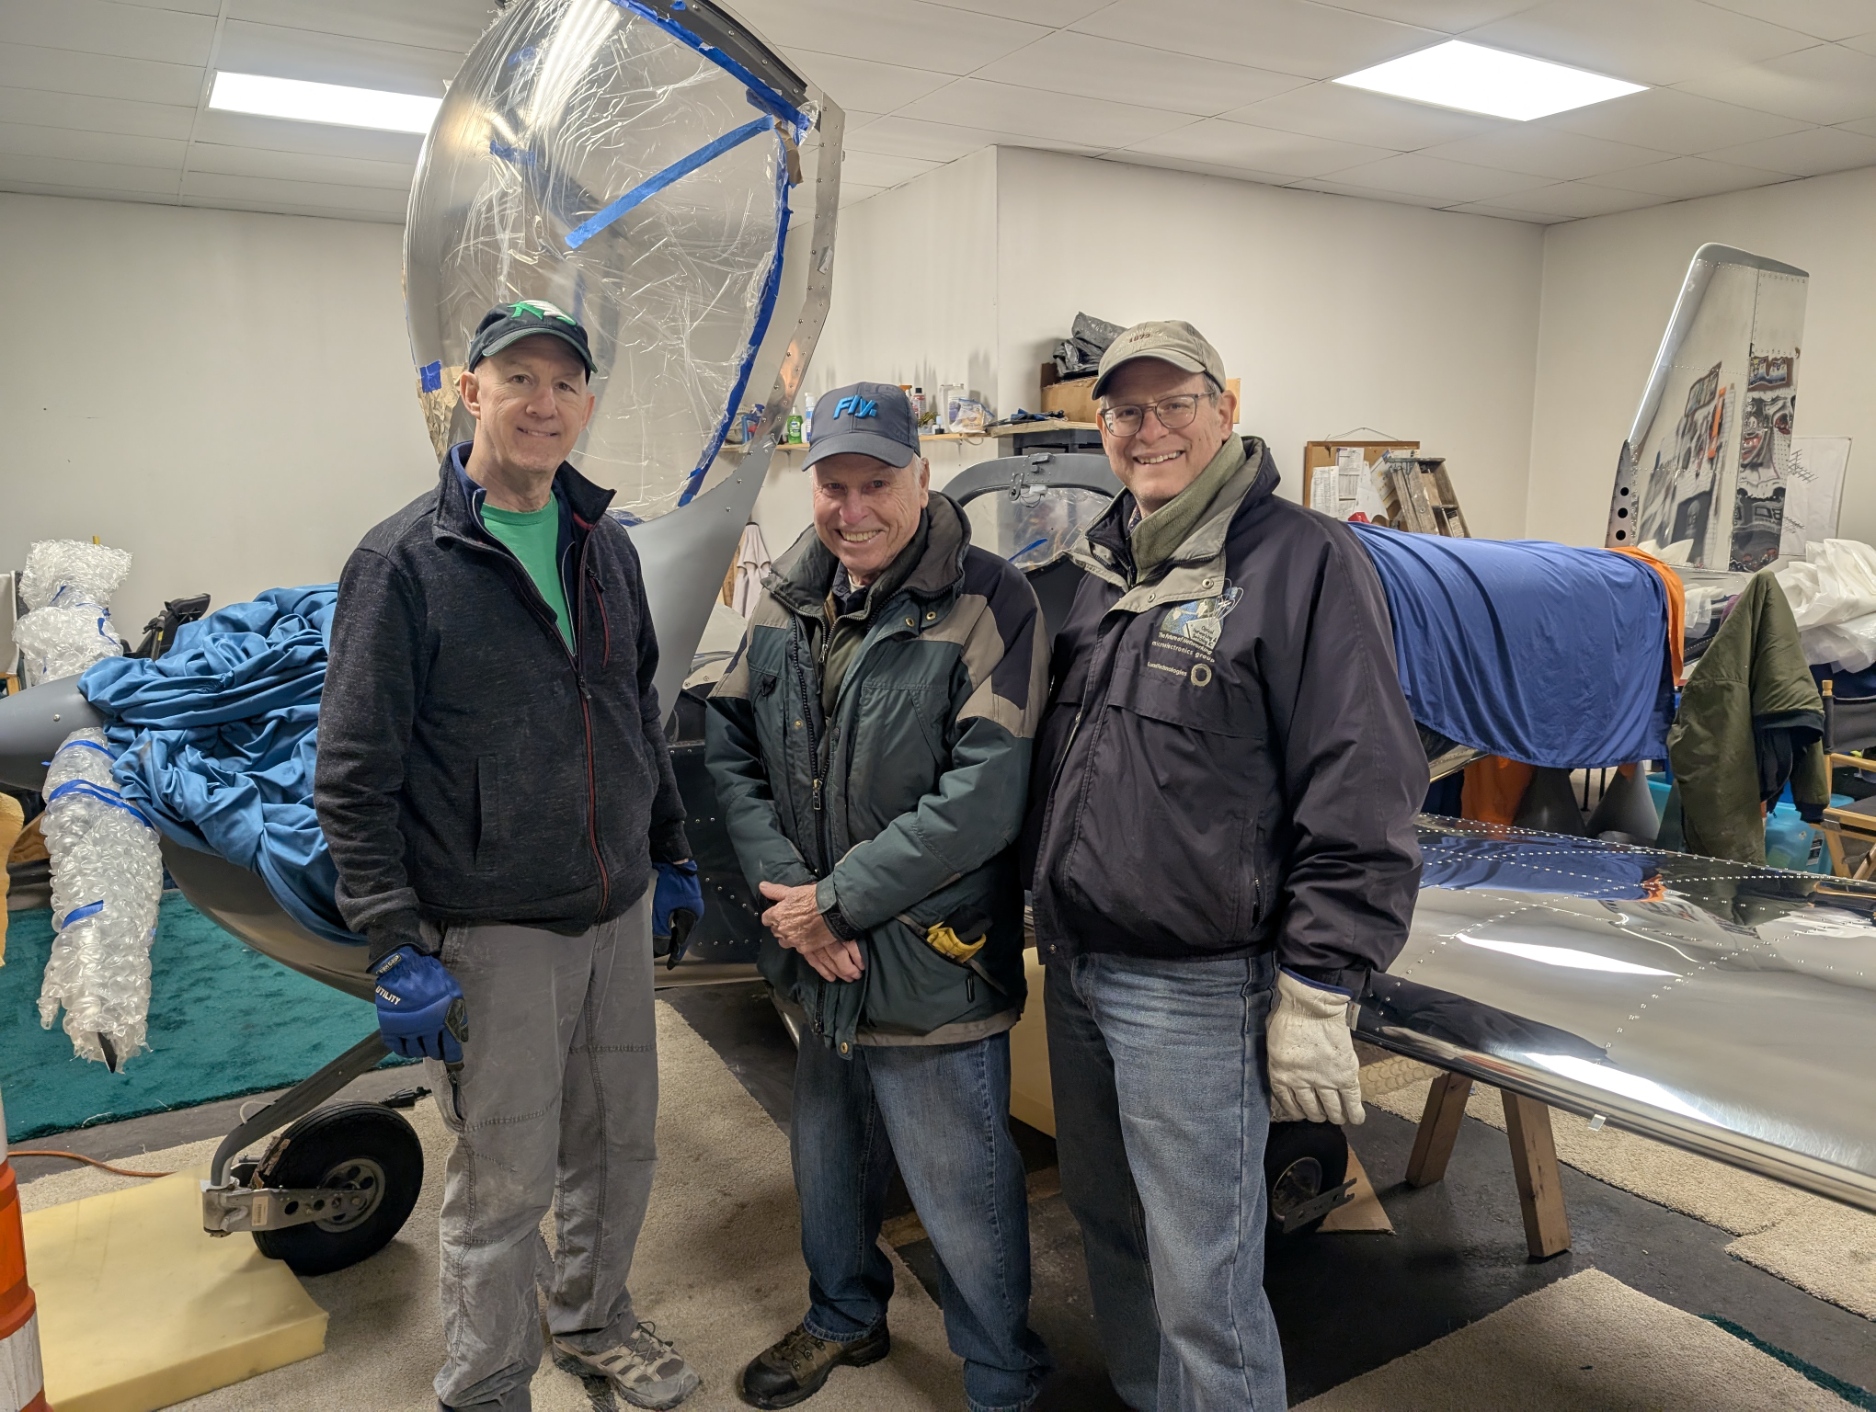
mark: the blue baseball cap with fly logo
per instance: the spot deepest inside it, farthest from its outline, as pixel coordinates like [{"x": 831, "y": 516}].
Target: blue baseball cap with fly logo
[{"x": 872, "y": 418}]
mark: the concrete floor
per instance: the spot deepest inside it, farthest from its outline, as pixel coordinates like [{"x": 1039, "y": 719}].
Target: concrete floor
[
  {"x": 1350, "y": 1303},
  {"x": 1345, "y": 1303}
]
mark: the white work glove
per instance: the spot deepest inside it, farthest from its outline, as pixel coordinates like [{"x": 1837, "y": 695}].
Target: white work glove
[{"x": 1314, "y": 1076}]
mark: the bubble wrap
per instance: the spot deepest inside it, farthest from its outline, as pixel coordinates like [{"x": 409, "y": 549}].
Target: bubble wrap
[
  {"x": 67, "y": 588},
  {"x": 102, "y": 852}
]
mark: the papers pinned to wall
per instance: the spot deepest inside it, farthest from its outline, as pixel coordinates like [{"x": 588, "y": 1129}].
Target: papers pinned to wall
[{"x": 1347, "y": 488}]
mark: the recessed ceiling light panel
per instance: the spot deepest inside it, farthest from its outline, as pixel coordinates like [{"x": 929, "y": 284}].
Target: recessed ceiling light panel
[
  {"x": 322, "y": 102},
  {"x": 1475, "y": 79}
]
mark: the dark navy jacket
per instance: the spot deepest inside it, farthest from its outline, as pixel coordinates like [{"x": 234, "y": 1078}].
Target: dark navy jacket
[{"x": 1227, "y": 765}]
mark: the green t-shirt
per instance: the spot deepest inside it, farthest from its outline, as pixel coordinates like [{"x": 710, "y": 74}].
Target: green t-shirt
[{"x": 533, "y": 537}]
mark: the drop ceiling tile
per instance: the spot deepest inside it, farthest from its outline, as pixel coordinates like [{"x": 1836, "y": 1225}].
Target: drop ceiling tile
[
  {"x": 334, "y": 58},
  {"x": 336, "y": 208},
  {"x": 1660, "y": 41},
  {"x": 454, "y": 25},
  {"x": 1183, "y": 164},
  {"x": 298, "y": 195},
  {"x": 875, "y": 86},
  {"x": 124, "y": 178},
  {"x": 315, "y": 139},
  {"x": 1546, "y": 152},
  {"x": 1862, "y": 43},
  {"x": 1069, "y": 62},
  {"x": 1824, "y": 84},
  {"x": 1057, "y": 117},
  {"x": 1289, "y": 36},
  {"x": 98, "y": 75},
  {"x": 72, "y": 144},
  {"x": 1674, "y": 121},
  {"x": 876, "y": 169},
  {"x": 1293, "y": 154},
  {"x": 1355, "y": 115},
  {"x": 192, "y": 7},
  {"x": 850, "y": 194},
  {"x": 101, "y": 27},
  {"x": 1809, "y": 153},
  {"x": 301, "y": 166},
  {"x": 39, "y": 108},
  {"x": 1053, "y": 13},
  {"x": 935, "y": 37},
  {"x": 1679, "y": 178},
  {"x": 1418, "y": 175},
  {"x": 1571, "y": 200},
  {"x": 1335, "y": 186},
  {"x": 942, "y": 142},
  {"x": 1823, "y": 19},
  {"x": 1484, "y": 208},
  {"x": 1447, "y": 16},
  {"x": 1868, "y": 125}
]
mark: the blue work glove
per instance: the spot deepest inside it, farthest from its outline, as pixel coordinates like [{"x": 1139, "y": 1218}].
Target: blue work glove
[
  {"x": 421, "y": 1012},
  {"x": 677, "y": 905}
]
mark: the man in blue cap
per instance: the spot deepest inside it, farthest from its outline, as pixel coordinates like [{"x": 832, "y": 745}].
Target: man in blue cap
[
  {"x": 495, "y": 786},
  {"x": 870, "y": 747}
]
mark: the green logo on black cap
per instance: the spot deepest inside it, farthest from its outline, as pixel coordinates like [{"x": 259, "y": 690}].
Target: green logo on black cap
[{"x": 540, "y": 309}]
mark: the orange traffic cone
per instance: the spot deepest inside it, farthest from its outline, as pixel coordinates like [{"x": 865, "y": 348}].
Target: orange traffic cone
[{"x": 22, "y": 1379}]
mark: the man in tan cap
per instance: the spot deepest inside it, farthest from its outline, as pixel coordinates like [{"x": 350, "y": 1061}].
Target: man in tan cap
[{"x": 1222, "y": 850}]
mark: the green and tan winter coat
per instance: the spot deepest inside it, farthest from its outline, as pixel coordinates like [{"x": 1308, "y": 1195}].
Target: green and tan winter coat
[{"x": 901, "y": 793}]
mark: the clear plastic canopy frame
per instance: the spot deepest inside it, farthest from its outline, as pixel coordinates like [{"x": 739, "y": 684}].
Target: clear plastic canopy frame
[{"x": 657, "y": 170}]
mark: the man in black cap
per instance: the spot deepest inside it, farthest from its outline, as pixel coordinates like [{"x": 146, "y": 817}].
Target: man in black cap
[
  {"x": 870, "y": 747},
  {"x": 495, "y": 787}
]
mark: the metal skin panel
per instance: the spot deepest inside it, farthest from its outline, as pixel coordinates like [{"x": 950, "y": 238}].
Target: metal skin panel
[{"x": 1724, "y": 1009}]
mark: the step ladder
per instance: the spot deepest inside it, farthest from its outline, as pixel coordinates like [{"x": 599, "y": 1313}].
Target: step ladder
[{"x": 1420, "y": 495}]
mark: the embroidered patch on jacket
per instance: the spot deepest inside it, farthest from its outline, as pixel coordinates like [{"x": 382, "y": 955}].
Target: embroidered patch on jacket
[{"x": 1201, "y": 620}]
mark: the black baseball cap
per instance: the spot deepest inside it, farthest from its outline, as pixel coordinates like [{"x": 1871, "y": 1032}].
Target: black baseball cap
[
  {"x": 872, "y": 418},
  {"x": 510, "y": 323}
]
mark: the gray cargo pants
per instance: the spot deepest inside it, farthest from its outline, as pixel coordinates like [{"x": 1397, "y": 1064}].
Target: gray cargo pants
[{"x": 557, "y": 1095}]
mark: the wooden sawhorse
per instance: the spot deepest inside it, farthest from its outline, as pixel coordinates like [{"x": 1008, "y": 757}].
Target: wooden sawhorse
[{"x": 1533, "y": 1157}]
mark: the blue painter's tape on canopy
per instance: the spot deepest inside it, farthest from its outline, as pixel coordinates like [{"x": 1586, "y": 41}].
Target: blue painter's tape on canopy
[
  {"x": 430, "y": 376},
  {"x": 651, "y": 186}
]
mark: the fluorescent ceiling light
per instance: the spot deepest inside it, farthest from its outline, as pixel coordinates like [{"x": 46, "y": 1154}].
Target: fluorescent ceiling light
[
  {"x": 1475, "y": 79},
  {"x": 322, "y": 102},
  {"x": 1567, "y": 957}
]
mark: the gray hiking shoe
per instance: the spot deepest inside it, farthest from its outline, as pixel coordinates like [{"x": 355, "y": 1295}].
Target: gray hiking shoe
[{"x": 644, "y": 1369}]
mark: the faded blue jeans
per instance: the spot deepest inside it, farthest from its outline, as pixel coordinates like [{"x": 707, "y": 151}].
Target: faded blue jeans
[
  {"x": 1161, "y": 1115},
  {"x": 942, "y": 1111}
]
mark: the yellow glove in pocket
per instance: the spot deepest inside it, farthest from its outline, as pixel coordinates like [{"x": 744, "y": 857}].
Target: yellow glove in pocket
[{"x": 948, "y": 945}]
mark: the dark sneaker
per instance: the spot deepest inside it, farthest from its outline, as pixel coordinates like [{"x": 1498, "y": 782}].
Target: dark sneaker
[
  {"x": 644, "y": 1369},
  {"x": 794, "y": 1369}
]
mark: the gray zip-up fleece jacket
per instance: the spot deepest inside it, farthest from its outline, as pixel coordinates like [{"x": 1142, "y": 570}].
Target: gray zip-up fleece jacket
[
  {"x": 473, "y": 768},
  {"x": 1227, "y": 765},
  {"x": 903, "y": 802}
]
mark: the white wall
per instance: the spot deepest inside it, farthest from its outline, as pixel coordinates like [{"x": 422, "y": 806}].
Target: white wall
[
  {"x": 915, "y": 284},
  {"x": 1333, "y": 312},
  {"x": 1609, "y": 287},
  {"x": 229, "y": 396}
]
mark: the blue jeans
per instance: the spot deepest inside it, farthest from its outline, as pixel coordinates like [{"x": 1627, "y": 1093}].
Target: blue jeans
[
  {"x": 1161, "y": 1115},
  {"x": 942, "y": 1111}
]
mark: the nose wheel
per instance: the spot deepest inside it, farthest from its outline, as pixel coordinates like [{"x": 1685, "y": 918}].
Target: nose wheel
[{"x": 348, "y": 1177}]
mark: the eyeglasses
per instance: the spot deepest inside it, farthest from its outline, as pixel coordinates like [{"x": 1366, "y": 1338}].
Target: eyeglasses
[{"x": 1172, "y": 413}]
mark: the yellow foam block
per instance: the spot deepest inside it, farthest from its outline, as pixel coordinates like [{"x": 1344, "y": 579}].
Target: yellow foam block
[{"x": 139, "y": 1308}]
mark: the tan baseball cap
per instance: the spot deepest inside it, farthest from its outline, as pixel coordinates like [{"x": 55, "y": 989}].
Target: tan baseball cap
[{"x": 1169, "y": 340}]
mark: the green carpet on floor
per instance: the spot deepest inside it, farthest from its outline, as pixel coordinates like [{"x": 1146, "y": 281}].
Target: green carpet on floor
[{"x": 224, "y": 1021}]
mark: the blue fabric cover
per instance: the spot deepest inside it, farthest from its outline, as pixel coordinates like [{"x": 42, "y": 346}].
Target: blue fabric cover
[
  {"x": 216, "y": 742},
  {"x": 1564, "y": 866},
  {"x": 1535, "y": 651}
]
